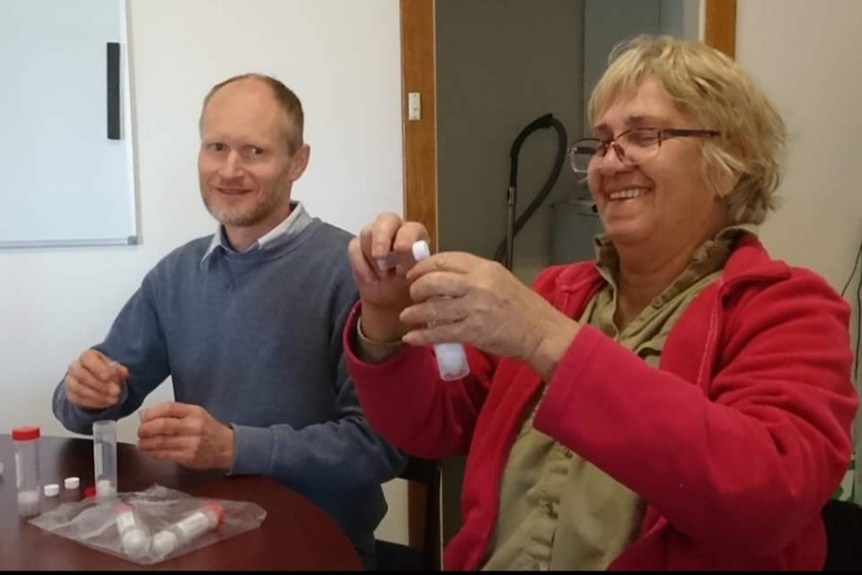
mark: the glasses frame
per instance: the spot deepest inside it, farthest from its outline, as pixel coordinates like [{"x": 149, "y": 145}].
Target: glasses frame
[{"x": 662, "y": 134}]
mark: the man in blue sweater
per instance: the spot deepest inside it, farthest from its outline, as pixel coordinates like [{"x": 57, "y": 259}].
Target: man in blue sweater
[{"x": 247, "y": 323}]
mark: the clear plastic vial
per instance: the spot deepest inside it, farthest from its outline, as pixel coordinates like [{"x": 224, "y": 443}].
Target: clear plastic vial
[
  {"x": 451, "y": 358},
  {"x": 134, "y": 536},
  {"x": 71, "y": 490},
  {"x": 26, "y": 442},
  {"x": 50, "y": 499},
  {"x": 210, "y": 516},
  {"x": 105, "y": 458}
]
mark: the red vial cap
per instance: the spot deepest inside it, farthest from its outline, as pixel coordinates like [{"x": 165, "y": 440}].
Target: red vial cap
[
  {"x": 90, "y": 492},
  {"x": 217, "y": 510},
  {"x": 25, "y": 433}
]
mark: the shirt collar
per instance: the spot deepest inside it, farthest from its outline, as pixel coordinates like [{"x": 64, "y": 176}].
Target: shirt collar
[
  {"x": 607, "y": 259},
  {"x": 291, "y": 225}
]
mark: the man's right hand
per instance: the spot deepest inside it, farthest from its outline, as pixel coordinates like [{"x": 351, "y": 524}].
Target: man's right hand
[
  {"x": 384, "y": 293},
  {"x": 94, "y": 381}
]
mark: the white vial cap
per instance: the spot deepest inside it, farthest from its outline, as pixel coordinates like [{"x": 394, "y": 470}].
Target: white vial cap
[
  {"x": 421, "y": 250},
  {"x": 164, "y": 542},
  {"x": 52, "y": 490},
  {"x": 71, "y": 483},
  {"x": 135, "y": 542},
  {"x": 1, "y": 468},
  {"x": 451, "y": 361}
]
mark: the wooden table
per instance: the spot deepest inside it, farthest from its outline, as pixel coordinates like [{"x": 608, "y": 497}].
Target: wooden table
[{"x": 295, "y": 534}]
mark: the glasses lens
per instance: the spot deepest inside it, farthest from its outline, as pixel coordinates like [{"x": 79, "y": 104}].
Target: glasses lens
[
  {"x": 582, "y": 153},
  {"x": 639, "y": 145}
]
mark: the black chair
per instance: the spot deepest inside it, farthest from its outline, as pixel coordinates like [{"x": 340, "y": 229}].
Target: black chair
[
  {"x": 398, "y": 557},
  {"x": 843, "y": 521}
]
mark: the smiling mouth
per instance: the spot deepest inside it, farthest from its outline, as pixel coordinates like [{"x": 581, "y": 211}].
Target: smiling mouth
[
  {"x": 232, "y": 191},
  {"x": 627, "y": 194}
]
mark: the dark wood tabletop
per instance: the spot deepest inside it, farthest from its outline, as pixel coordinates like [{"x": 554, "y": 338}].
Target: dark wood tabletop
[{"x": 295, "y": 534}]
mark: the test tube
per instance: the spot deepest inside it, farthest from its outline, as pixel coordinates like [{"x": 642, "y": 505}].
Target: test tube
[
  {"x": 451, "y": 358},
  {"x": 71, "y": 489},
  {"x": 133, "y": 534},
  {"x": 210, "y": 516},
  {"x": 50, "y": 500},
  {"x": 26, "y": 443},
  {"x": 105, "y": 458}
]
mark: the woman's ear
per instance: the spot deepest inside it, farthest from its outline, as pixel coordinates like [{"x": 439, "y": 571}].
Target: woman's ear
[{"x": 721, "y": 179}]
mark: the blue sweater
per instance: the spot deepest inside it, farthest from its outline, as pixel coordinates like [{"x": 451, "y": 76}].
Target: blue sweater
[{"x": 255, "y": 339}]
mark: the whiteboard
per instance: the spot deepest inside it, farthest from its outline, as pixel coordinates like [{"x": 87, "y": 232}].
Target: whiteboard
[{"x": 66, "y": 142}]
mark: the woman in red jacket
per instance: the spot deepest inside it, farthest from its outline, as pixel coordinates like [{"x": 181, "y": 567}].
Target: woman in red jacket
[{"x": 683, "y": 402}]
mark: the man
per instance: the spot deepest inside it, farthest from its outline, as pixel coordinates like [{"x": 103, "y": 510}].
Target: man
[{"x": 247, "y": 323}]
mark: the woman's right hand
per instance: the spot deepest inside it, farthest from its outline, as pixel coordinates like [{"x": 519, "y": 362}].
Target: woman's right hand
[{"x": 384, "y": 293}]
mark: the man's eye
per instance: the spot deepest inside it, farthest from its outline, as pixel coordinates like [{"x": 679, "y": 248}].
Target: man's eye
[
  {"x": 218, "y": 147},
  {"x": 255, "y": 151}
]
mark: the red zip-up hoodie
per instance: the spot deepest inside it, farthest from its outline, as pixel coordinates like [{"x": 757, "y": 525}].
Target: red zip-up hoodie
[{"x": 735, "y": 443}]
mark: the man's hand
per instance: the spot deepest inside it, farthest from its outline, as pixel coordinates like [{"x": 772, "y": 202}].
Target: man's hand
[
  {"x": 186, "y": 434},
  {"x": 93, "y": 381}
]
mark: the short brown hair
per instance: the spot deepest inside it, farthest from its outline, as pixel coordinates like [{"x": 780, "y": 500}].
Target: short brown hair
[
  {"x": 711, "y": 87},
  {"x": 286, "y": 98}
]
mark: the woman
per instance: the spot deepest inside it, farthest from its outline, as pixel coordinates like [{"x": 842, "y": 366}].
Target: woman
[{"x": 683, "y": 402}]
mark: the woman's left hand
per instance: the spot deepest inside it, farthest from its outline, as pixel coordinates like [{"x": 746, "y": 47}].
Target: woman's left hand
[{"x": 460, "y": 297}]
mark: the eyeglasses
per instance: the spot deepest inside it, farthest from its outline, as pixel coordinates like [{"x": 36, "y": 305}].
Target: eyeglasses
[{"x": 632, "y": 147}]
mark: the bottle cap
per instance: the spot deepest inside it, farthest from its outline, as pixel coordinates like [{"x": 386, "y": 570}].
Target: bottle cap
[
  {"x": 71, "y": 483},
  {"x": 216, "y": 510},
  {"x": 451, "y": 361},
  {"x": 164, "y": 542},
  {"x": 90, "y": 492},
  {"x": 52, "y": 490},
  {"x": 421, "y": 250},
  {"x": 26, "y": 433}
]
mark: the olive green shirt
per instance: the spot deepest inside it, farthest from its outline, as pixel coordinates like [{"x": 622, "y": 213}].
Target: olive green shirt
[{"x": 557, "y": 510}]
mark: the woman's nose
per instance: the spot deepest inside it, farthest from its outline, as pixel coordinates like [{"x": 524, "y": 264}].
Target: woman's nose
[{"x": 612, "y": 161}]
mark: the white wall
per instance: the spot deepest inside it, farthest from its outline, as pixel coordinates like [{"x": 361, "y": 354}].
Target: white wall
[
  {"x": 806, "y": 56},
  {"x": 343, "y": 59}
]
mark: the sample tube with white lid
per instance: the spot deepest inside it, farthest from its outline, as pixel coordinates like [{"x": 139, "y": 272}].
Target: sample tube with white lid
[
  {"x": 451, "y": 358},
  {"x": 208, "y": 517},
  {"x": 71, "y": 489},
  {"x": 133, "y": 535},
  {"x": 105, "y": 458},
  {"x": 26, "y": 442}
]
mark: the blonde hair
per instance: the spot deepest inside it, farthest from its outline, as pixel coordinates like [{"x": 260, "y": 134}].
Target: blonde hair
[{"x": 708, "y": 86}]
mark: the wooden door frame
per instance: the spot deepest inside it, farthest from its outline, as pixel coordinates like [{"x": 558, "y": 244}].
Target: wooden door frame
[{"x": 420, "y": 143}]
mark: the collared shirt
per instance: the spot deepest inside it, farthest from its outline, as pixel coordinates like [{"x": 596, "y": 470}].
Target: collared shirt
[
  {"x": 557, "y": 510},
  {"x": 291, "y": 225}
]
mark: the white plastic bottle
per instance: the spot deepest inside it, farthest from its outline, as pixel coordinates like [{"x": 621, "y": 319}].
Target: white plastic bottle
[
  {"x": 451, "y": 358},
  {"x": 208, "y": 517},
  {"x": 133, "y": 535}
]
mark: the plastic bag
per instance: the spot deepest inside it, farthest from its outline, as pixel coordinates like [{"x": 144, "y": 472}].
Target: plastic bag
[{"x": 149, "y": 526}]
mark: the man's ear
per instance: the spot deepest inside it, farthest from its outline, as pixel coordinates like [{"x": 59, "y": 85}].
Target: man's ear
[{"x": 299, "y": 161}]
